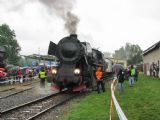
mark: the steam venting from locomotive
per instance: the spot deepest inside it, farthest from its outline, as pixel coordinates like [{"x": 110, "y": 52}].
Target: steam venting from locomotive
[{"x": 63, "y": 8}]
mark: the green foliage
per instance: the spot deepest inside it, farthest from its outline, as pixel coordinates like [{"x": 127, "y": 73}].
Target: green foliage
[
  {"x": 141, "y": 102},
  {"x": 131, "y": 53},
  {"x": 120, "y": 54},
  {"x": 8, "y": 40}
]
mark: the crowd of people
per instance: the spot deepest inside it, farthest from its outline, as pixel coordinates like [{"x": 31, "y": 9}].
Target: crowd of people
[
  {"x": 130, "y": 74},
  {"x": 26, "y": 74},
  {"x": 18, "y": 75}
]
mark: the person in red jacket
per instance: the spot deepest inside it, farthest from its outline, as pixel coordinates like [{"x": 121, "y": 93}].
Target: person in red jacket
[
  {"x": 20, "y": 74},
  {"x": 2, "y": 74},
  {"x": 100, "y": 82}
]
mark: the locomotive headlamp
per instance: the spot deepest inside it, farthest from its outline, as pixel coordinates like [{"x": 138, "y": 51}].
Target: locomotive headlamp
[
  {"x": 77, "y": 71},
  {"x": 54, "y": 71}
]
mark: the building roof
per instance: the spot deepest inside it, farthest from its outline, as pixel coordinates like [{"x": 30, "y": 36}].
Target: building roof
[
  {"x": 41, "y": 57},
  {"x": 153, "y": 47}
]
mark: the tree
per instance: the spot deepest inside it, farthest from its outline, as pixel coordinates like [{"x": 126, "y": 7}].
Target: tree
[
  {"x": 120, "y": 54},
  {"x": 107, "y": 54},
  {"x": 131, "y": 53},
  {"x": 8, "y": 40}
]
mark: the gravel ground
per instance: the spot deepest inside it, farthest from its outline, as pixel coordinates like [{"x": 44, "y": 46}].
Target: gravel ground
[
  {"x": 23, "y": 97},
  {"x": 28, "y": 111},
  {"x": 14, "y": 91},
  {"x": 29, "y": 95},
  {"x": 8, "y": 86},
  {"x": 57, "y": 113}
]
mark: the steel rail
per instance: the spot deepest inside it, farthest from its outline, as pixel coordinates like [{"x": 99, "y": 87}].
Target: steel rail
[
  {"x": 20, "y": 85},
  {"x": 16, "y": 93},
  {"x": 51, "y": 107},
  {"x": 28, "y": 103},
  {"x": 7, "y": 89}
]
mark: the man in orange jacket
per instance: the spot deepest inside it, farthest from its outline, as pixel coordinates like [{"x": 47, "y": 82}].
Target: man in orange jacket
[{"x": 99, "y": 75}]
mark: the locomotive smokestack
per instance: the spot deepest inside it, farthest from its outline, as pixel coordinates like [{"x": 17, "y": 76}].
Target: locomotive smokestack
[{"x": 73, "y": 36}]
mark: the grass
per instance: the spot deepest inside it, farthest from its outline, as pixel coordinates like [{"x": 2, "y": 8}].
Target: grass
[
  {"x": 141, "y": 102},
  {"x": 93, "y": 107}
]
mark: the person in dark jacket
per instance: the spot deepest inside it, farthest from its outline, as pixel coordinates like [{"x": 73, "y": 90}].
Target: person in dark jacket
[{"x": 120, "y": 77}]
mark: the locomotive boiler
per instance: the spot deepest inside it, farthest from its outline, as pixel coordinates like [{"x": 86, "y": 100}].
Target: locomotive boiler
[{"x": 77, "y": 63}]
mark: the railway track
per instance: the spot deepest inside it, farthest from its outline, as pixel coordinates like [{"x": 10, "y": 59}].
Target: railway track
[
  {"x": 35, "y": 108},
  {"x": 7, "y": 89},
  {"x": 14, "y": 93},
  {"x": 18, "y": 85},
  {"x": 16, "y": 90}
]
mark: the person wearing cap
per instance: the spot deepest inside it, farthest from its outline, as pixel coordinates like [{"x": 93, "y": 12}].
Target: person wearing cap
[{"x": 100, "y": 82}]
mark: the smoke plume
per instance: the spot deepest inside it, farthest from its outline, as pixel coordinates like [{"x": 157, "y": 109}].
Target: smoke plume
[{"x": 63, "y": 8}]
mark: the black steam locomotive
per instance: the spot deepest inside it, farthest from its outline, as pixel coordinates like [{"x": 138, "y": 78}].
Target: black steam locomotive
[{"x": 77, "y": 63}]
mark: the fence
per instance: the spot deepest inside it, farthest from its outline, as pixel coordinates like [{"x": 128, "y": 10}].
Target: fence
[
  {"x": 114, "y": 104},
  {"x": 13, "y": 79}
]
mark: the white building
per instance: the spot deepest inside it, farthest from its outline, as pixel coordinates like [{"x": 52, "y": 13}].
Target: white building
[{"x": 151, "y": 58}]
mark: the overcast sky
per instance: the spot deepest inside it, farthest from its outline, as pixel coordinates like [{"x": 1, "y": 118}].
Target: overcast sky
[{"x": 106, "y": 24}]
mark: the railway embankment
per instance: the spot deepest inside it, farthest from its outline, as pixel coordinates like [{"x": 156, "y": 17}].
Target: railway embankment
[
  {"x": 141, "y": 102},
  {"x": 92, "y": 106},
  {"x": 138, "y": 102}
]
